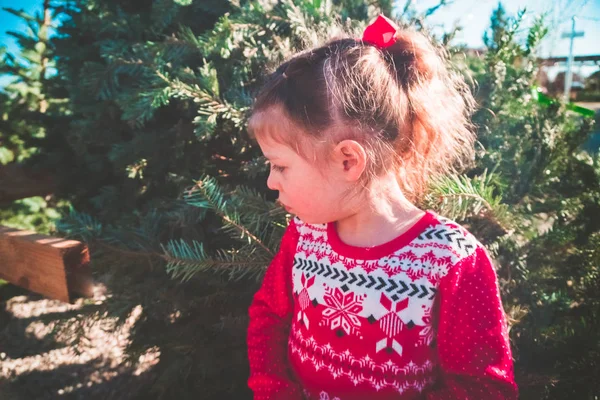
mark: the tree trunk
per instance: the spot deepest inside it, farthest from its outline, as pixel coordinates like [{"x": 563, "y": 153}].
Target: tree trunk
[{"x": 19, "y": 182}]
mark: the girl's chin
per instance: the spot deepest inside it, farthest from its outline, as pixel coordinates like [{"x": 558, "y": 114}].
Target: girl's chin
[
  {"x": 305, "y": 218},
  {"x": 308, "y": 220}
]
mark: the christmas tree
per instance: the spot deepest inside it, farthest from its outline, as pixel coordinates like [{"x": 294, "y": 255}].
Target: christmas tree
[
  {"x": 28, "y": 103},
  {"x": 169, "y": 191}
]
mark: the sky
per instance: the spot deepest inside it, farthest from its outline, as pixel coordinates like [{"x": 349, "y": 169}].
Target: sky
[
  {"x": 472, "y": 15},
  {"x": 474, "y": 18},
  {"x": 9, "y": 22}
]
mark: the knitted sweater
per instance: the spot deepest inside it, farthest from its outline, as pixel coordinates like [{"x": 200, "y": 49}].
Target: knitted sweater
[{"x": 419, "y": 317}]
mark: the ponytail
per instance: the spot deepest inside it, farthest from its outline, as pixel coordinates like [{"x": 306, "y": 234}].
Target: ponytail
[
  {"x": 438, "y": 137},
  {"x": 401, "y": 102}
]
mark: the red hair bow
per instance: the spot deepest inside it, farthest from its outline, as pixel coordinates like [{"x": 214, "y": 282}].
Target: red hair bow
[{"x": 381, "y": 32}]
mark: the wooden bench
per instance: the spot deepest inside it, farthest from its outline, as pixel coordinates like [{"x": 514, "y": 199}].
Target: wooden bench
[{"x": 53, "y": 267}]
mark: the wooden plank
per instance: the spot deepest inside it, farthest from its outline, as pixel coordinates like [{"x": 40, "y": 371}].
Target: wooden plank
[{"x": 51, "y": 266}]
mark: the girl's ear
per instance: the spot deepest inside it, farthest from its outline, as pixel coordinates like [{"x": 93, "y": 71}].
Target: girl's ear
[{"x": 350, "y": 159}]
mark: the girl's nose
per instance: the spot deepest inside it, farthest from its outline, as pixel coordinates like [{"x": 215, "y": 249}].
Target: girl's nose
[{"x": 272, "y": 182}]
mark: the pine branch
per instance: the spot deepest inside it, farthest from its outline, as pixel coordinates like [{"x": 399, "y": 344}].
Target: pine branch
[
  {"x": 185, "y": 260},
  {"x": 21, "y": 14},
  {"x": 300, "y": 22},
  {"x": 79, "y": 225},
  {"x": 432, "y": 10},
  {"x": 207, "y": 194},
  {"x": 458, "y": 197}
]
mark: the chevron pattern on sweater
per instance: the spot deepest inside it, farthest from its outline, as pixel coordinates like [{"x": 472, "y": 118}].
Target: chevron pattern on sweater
[
  {"x": 449, "y": 235},
  {"x": 389, "y": 285}
]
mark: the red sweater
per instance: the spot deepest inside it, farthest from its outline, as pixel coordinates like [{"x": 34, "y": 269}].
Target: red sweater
[{"x": 419, "y": 317}]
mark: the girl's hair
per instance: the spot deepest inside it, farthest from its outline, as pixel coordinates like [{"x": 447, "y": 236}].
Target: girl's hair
[{"x": 401, "y": 103}]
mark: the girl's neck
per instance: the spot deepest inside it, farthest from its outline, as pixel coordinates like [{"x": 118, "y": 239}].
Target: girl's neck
[{"x": 383, "y": 214}]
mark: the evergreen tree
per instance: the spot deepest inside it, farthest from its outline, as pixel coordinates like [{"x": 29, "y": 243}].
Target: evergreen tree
[
  {"x": 549, "y": 252},
  {"x": 169, "y": 106},
  {"x": 27, "y": 103},
  {"x": 152, "y": 152},
  {"x": 218, "y": 234},
  {"x": 495, "y": 35}
]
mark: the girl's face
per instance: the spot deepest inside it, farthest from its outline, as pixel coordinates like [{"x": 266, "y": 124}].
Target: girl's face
[{"x": 314, "y": 193}]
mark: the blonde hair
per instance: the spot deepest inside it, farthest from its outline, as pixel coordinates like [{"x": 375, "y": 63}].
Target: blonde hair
[{"x": 402, "y": 103}]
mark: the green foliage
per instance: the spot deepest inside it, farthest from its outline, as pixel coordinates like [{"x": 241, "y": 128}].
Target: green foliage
[
  {"x": 158, "y": 96},
  {"x": 552, "y": 188},
  {"x": 152, "y": 95},
  {"x": 248, "y": 219},
  {"x": 27, "y": 104},
  {"x": 32, "y": 213},
  {"x": 459, "y": 196}
]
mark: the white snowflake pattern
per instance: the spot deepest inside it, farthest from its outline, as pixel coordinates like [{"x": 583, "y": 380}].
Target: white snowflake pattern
[
  {"x": 361, "y": 370},
  {"x": 342, "y": 310}
]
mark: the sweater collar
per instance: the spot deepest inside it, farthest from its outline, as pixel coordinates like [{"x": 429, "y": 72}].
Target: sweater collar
[{"x": 382, "y": 250}]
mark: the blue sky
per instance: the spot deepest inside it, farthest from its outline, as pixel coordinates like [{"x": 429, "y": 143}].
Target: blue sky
[
  {"x": 472, "y": 15},
  {"x": 9, "y": 22}
]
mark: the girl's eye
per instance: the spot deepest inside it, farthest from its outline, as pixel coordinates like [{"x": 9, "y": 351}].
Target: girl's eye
[{"x": 277, "y": 168}]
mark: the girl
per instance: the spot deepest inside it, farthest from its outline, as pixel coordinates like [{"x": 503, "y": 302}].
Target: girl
[{"x": 370, "y": 297}]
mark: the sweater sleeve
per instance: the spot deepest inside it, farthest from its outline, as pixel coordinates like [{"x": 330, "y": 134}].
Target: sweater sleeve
[
  {"x": 473, "y": 345},
  {"x": 270, "y": 321}
]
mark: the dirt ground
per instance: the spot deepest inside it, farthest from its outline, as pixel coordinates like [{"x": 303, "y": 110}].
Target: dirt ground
[{"x": 40, "y": 358}]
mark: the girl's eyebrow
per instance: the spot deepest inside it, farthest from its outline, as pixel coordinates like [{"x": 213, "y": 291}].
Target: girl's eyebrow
[{"x": 271, "y": 157}]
